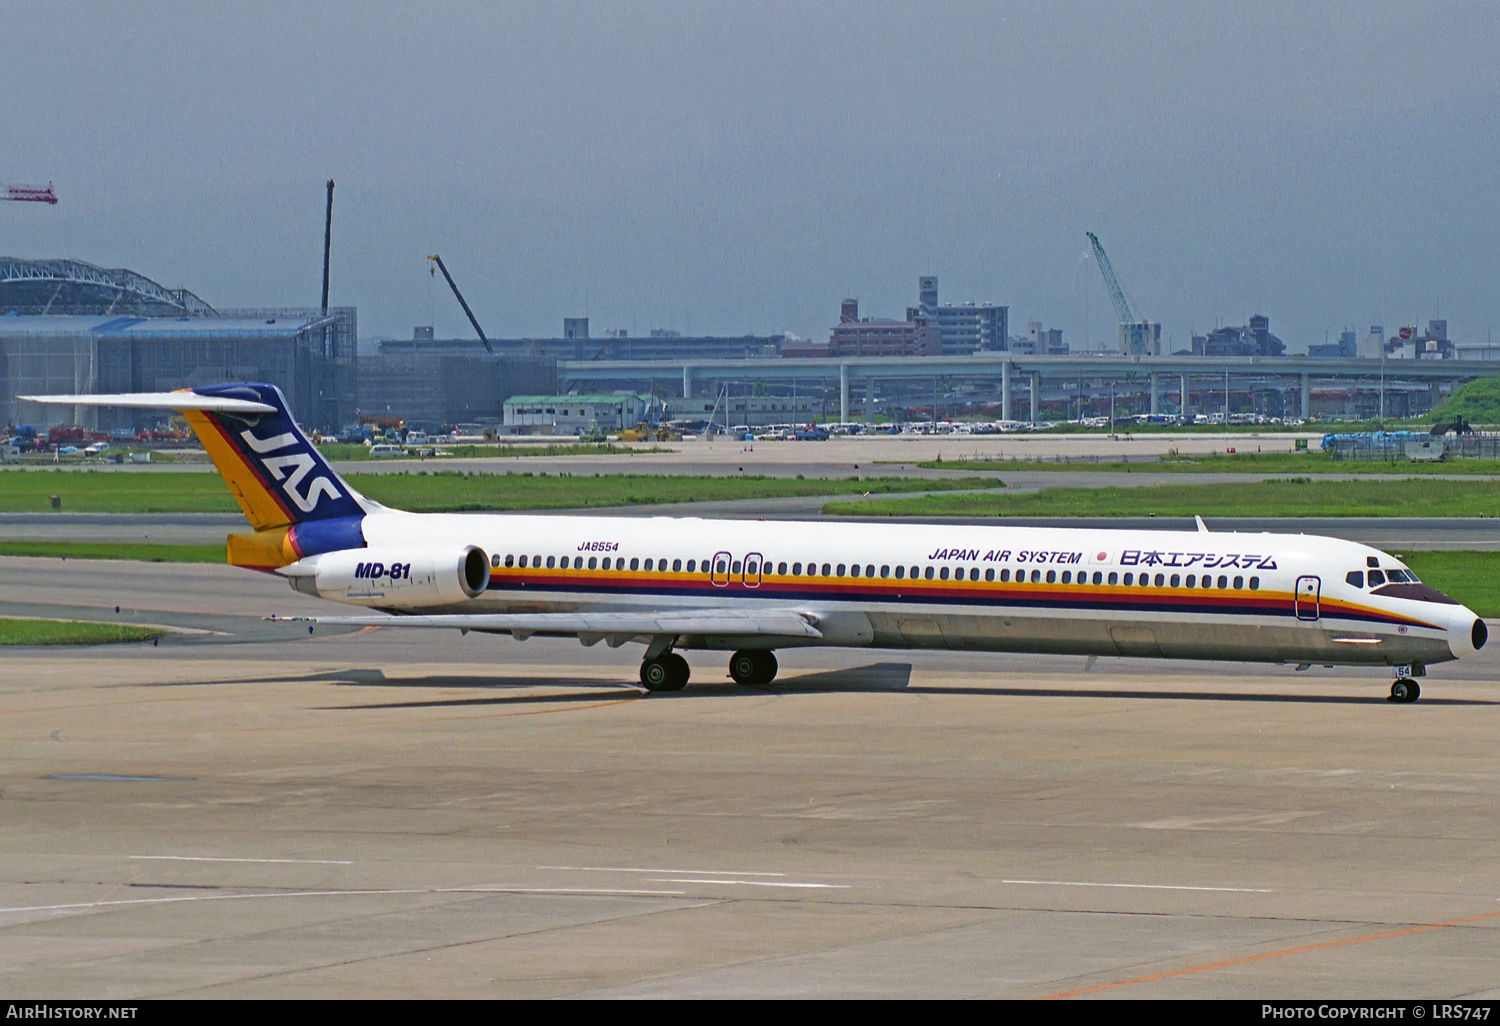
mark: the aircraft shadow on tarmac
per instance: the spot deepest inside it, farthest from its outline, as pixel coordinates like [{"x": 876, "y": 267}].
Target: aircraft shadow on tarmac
[{"x": 873, "y": 678}]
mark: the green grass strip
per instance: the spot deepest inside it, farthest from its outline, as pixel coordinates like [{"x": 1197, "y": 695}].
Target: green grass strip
[
  {"x": 144, "y": 491},
  {"x": 1291, "y": 497},
  {"x": 1472, "y": 578},
  {"x": 448, "y": 491},
  {"x": 139, "y": 551},
  {"x": 71, "y": 632},
  {"x": 1232, "y": 463}
]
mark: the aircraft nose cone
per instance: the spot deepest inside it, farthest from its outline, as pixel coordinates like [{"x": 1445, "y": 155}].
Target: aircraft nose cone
[{"x": 1467, "y": 633}]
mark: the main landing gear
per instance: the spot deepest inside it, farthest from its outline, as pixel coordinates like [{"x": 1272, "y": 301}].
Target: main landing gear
[
  {"x": 1405, "y": 690},
  {"x": 669, "y": 671},
  {"x": 755, "y": 667},
  {"x": 666, "y": 672}
]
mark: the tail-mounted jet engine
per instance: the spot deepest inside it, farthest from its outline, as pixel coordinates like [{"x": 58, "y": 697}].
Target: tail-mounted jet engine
[{"x": 397, "y": 577}]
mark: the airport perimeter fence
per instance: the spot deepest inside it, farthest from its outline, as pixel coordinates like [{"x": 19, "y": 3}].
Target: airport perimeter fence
[{"x": 1396, "y": 448}]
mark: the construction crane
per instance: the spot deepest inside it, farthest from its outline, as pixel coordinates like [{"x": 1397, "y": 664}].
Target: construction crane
[
  {"x": 29, "y": 193},
  {"x": 461, "y": 302},
  {"x": 1116, "y": 293},
  {"x": 1135, "y": 328}
]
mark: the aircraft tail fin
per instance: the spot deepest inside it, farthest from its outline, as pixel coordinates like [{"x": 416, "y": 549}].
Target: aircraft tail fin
[{"x": 297, "y": 504}]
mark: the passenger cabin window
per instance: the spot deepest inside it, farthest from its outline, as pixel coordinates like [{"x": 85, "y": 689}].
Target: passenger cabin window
[
  {"x": 781, "y": 569},
  {"x": 1004, "y": 576},
  {"x": 1114, "y": 578},
  {"x": 550, "y": 562},
  {"x": 1051, "y": 576},
  {"x": 1192, "y": 580},
  {"x": 1223, "y": 582},
  {"x": 900, "y": 573},
  {"x": 1239, "y": 583},
  {"x": 827, "y": 570},
  {"x": 523, "y": 562},
  {"x": 635, "y": 564},
  {"x": 869, "y": 569},
  {"x": 943, "y": 574},
  {"x": 885, "y": 571},
  {"x": 605, "y": 563},
  {"x": 929, "y": 573},
  {"x": 841, "y": 570},
  {"x": 1129, "y": 580},
  {"x": 854, "y": 570},
  {"x": 1161, "y": 580},
  {"x": 691, "y": 564},
  {"x": 1176, "y": 580},
  {"x": 1098, "y": 577},
  {"x": 796, "y": 569},
  {"x": 510, "y": 560},
  {"x": 1067, "y": 577},
  {"x": 1375, "y": 577},
  {"x": 989, "y": 575},
  {"x": 593, "y": 562},
  {"x": 1255, "y": 584}
]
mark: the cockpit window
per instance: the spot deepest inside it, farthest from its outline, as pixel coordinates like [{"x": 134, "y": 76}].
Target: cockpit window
[
  {"x": 1400, "y": 577},
  {"x": 1375, "y": 577},
  {"x": 1355, "y": 578}
]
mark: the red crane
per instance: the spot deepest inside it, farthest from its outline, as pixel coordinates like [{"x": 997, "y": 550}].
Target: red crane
[{"x": 29, "y": 193}]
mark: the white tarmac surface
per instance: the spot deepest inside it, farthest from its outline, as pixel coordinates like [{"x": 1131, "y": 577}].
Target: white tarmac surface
[{"x": 402, "y": 814}]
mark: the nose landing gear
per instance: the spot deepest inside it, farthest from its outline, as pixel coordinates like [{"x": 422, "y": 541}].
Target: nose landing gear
[
  {"x": 1405, "y": 690},
  {"x": 754, "y": 668},
  {"x": 666, "y": 672}
]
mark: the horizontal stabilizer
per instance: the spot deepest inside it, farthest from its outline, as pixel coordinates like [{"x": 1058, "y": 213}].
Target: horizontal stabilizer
[
  {"x": 156, "y": 401},
  {"x": 767, "y": 623}
]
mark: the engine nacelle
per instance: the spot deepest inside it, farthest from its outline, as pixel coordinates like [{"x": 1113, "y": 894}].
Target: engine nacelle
[{"x": 404, "y": 577}]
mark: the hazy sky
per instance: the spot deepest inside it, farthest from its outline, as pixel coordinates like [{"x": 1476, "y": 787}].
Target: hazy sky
[{"x": 733, "y": 166}]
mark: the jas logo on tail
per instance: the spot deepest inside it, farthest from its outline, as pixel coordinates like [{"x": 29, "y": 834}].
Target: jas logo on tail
[{"x": 291, "y": 469}]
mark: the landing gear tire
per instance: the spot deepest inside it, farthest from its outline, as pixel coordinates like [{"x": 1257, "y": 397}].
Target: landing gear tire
[
  {"x": 667, "y": 672},
  {"x": 754, "y": 668},
  {"x": 1405, "y": 690}
]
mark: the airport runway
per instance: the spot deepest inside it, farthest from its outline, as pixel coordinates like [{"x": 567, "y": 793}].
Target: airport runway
[{"x": 257, "y": 812}]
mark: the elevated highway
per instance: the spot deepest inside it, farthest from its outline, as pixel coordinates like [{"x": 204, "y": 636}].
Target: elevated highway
[{"x": 1009, "y": 369}]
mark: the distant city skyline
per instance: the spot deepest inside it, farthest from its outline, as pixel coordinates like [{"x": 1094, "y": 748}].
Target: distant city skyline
[{"x": 743, "y": 167}]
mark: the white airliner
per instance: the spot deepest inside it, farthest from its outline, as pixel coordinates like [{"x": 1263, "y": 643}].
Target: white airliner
[{"x": 751, "y": 587}]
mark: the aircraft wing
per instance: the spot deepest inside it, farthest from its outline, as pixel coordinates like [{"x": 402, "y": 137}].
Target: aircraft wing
[{"x": 590, "y": 628}]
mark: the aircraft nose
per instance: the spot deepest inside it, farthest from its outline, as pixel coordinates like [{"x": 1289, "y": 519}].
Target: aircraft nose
[{"x": 1467, "y": 633}]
